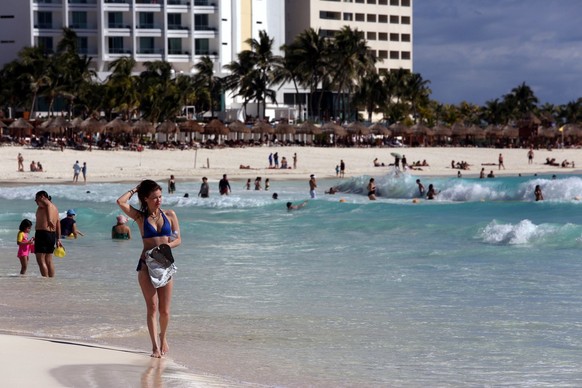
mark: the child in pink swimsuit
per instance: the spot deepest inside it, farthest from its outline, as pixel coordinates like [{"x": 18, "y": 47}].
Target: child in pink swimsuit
[{"x": 25, "y": 246}]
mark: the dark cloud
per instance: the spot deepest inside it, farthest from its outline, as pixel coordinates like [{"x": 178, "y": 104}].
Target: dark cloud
[{"x": 475, "y": 50}]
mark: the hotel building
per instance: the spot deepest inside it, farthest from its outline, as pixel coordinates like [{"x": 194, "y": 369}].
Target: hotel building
[{"x": 182, "y": 31}]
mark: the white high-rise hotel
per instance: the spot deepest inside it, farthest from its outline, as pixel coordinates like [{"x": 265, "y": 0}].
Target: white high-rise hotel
[{"x": 182, "y": 31}]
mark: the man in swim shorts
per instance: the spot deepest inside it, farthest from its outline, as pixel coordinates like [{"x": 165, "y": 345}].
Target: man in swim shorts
[{"x": 48, "y": 231}]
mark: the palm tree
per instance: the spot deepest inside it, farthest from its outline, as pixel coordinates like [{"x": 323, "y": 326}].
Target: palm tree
[
  {"x": 35, "y": 62},
  {"x": 122, "y": 88},
  {"x": 371, "y": 94},
  {"x": 239, "y": 79},
  {"x": 207, "y": 84},
  {"x": 521, "y": 100},
  {"x": 309, "y": 53},
  {"x": 349, "y": 57}
]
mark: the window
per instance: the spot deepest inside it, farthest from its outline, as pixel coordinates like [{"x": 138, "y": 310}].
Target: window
[
  {"x": 146, "y": 45},
  {"x": 383, "y": 2},
  {"x": 327, "y": 33},
  {"x": 371, "y": 1},
  {"x": 328, "y": 15},
  {"x": 382, "y": 18},
  {"x": 394, "y": 55},
  {"x": 348, "y": 16},
  {"x": 383, "y": 54},
  {"x": 202, "y": 47},
  {"x": 394, "y": 37},
  {"x": 116, "y": 45},
  {"x": 360, "y": 1},
  {"x": 146, "y": 20},
  {"x": 394, "y": 19},
  {"x": 405, "y": 37},
  {"x": 45, "y": 19},
  {"x": 371, "y": 35},
  {"x": 174, "y": 21},
  {"x": 360, "y": 17},
  {"x": 79, "y": 19},
  {"x": 45, "y": 43},
  {"x": 383, "y": 36},
  {"x": 394, "y": 3},
  {"x": 174, "y": 46},
  {"x": 371, "y": 18},
  {"x": 405, "y": 20},
  {"x": 405, "y": 55},
  {"x": 405, "y": 3},
  {"x": 82, "y": 45},
  {"x": 201, "y": 22},
  {"x": 115, "y": 20}
]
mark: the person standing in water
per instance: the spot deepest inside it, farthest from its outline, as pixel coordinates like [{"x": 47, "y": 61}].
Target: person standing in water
[
  {"x": 47, "y": 233},
  {"x": 156, "y": 227}
]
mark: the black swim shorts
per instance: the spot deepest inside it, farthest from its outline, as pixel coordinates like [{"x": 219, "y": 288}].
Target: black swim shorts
[{"x": 44, "y": 241}]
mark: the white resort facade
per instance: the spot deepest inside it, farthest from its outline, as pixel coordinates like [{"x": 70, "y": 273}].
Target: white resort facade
[{"x": 183, "y": 31}]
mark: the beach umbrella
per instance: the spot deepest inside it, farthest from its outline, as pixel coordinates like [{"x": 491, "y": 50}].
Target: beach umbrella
[
  {"x": 307, "y": 127},
  {"x": 238, "y": 126},
  {"x": 91, "y": 125},
  {"x": 216, "y": 127},
  {"x": 76, "y": 122},
  {"x": 333, "y": 128},
  {"x": 118, "y": 125},
  {"x": 21, "y": 126},
  {"x": 396, "y": 155},
  {"x": 548, "y": 132},
  {"x": 357, "y": 128},
  {"x": 190, "y": 126},
  {"x": 573, "y": 130},
  {"x": 45, "y": 124},
  {"x": 398, "y": 128},
  {"x": 477, "y": 132},
  {"x": 167, "y": 127},
  {"x": 263, "y": 127},
  {"x": 510, "y": 132},
  {"x": 142, "y": 126},
  {"x": 379, "y": 130},
  {"x": 420, "y": 129},
  {"x": 458, "y": 129},
  {"x": 442, "y": 130}
]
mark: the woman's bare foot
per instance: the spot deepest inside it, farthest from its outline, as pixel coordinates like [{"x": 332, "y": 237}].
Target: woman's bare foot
[
  {"x": 165, "y": 346},
  {"x": 156, "y": 353}
]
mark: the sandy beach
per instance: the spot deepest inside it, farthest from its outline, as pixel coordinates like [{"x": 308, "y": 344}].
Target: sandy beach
[{"x": 192, "y": 165}]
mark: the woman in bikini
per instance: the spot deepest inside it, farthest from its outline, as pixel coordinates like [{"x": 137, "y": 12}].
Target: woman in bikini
[{"x": 157, "y": 227}]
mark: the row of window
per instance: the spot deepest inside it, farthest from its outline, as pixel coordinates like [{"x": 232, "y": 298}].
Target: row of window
[
  {"x": 360, "y": 17},
  {"x": 146, "y": 45},
  {"x": 394, "y": 3},
  {"x": 383, "y": 36},
  {"x": 385, "y": 54},
  {"x": 115, "y": 20}
]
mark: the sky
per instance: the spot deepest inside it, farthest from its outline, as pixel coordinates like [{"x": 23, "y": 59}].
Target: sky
[{"x": 479, "y": 50}]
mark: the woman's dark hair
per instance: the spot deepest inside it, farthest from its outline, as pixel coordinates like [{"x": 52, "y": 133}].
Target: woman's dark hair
[
  {"x": 42, "y": 194},
  {"x": 26, "y": 223},
  {"x": 145, "y": 188}
]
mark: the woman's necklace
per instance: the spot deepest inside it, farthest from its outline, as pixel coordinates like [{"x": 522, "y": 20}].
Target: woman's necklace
[{"x": 155, "y": 216}]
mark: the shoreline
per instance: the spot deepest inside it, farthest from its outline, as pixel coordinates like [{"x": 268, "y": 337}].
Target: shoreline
[
  {"x": 130, "y": 166},
  {"x": 75, "y": 364}
]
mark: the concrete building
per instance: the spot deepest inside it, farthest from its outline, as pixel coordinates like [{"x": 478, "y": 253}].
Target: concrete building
[{"x": 182, "y": 31}]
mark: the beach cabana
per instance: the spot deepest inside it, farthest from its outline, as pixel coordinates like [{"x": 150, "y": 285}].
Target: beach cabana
[
  {"x": 20, "y": 128},
  {"x": 118, "y": 126},
  {"x": 168, "y": 127}
]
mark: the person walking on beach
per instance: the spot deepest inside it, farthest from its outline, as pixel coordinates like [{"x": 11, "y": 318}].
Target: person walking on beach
[
  {"x": 342, "y": 168},
  {"x": 530, "y": 155},
  {"x": 76, "y": 171},
  {"x": 271, "y": 160},
  {"x": 84, "y": 171},
  {"x": 276, "y": 159},
  {"x": 224, "y": 186},
  {"x": 47, "y": 233},
  {"x": 204, "y": 188},
  {"x": 501, "y": 162},
  {"x": 295, "y": 161},
  {"x": 20, "y": 160},
  {"x": 156, "y": 227},
  {"x": 312, "y": 186},
  {"x": 482, "y": 173},
  {"x": 25, "y": 245}
]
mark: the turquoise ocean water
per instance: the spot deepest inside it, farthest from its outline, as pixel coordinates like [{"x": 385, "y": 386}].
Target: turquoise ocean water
[{"x": 481, "y": 287}]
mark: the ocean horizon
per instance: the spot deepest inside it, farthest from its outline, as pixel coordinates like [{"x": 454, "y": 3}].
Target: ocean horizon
[{"x": 480, "y": 287}]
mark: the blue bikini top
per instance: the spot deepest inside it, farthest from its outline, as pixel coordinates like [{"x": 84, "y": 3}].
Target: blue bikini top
[{"x": 150, "y": 231}]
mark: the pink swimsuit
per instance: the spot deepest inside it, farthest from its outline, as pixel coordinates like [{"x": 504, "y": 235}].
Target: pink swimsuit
[{"x": 24, "y": 249}]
